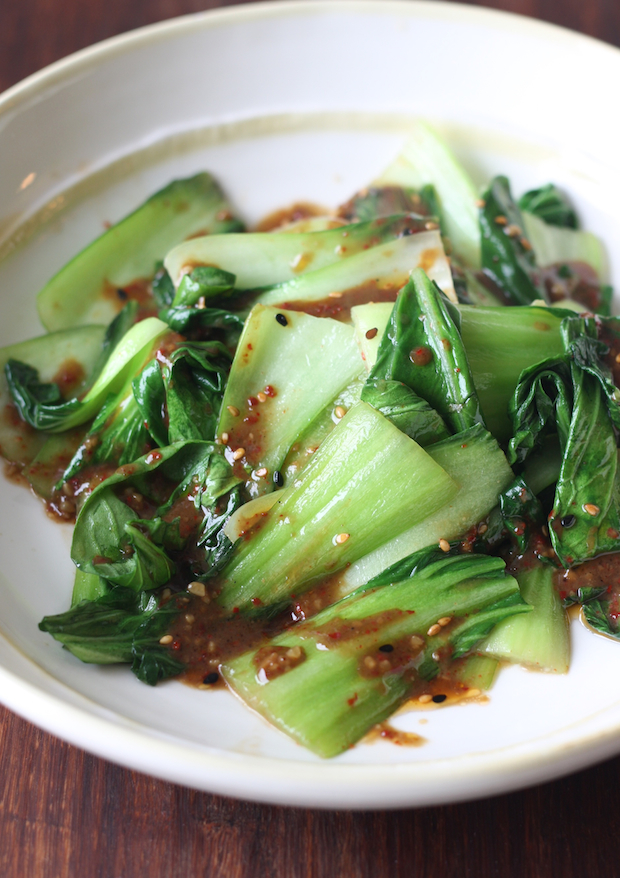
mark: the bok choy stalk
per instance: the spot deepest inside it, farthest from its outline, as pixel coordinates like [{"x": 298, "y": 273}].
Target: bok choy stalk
[
  {"x": 478, "y": 466},
  {"x": 85, "y": 290},
  {"x": 328, "y": 680},
  {"x": 377, "y": 201},
  {"x": 376, "y": 274},
  {"x": 50, "y": 356},
  {"x": 288, "y": 367},
  {"x": 367, "y": 483},
  {"x": 260, "y": 259},
  {"x": 575, "y": 396},
  {"x": 427, "y": 159},
  {"x": 41, "y": 404},
  {"x": 499, "y": 342}
]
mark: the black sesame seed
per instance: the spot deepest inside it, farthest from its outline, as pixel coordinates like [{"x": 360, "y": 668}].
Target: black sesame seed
[
  {"x": 281, "y": 319},
  {"x": 387, "y": 647},
  {"x": 278, "y": 479},
  {"x": 568, "y": 521},
  {"x": 122, "y": 295},
  {"x": 439, "y": 698},
  {"x": 211, "y": 678}
]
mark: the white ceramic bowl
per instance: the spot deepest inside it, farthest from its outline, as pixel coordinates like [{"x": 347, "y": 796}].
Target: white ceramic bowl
[{"x": 289, "y": 101}]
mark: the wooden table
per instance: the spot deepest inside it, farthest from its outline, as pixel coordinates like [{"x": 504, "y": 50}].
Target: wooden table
[{"x": 66, "y": 813}]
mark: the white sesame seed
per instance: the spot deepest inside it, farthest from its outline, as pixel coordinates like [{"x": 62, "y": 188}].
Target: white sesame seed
[
  {"x": 166, "y": 639},
  {"x": 472, "y": 693},
  {"x": 340, "y": 412},
  {"x": 424, "y": 699},
  {"x": 445, "y": 620},
  {"x": 342, "y": 538},
  {"x": 262, "y": 471},
  {"x": 197, "y": 588},
  {"x": 433, "y": 630},
  {"x": 261, "y": 397},
  {"x": 224, "y": 438},
  {"x": 233, "y": 410},
  {"x": 591, "y": 508},
  {"x": 239, "y": 453},
  {"x": 444, "y": 545}
]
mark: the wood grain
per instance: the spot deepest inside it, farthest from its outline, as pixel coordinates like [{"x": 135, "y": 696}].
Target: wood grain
[{"x": 66, "y": 813}]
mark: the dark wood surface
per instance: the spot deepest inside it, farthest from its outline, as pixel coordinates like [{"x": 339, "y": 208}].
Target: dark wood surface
[{"x": 66, "y": 813}]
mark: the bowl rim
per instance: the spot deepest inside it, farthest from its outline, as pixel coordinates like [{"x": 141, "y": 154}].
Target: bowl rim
[{"x": 135, "y": 746}]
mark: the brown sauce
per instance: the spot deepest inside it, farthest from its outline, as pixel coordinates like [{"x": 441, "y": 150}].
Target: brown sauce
[
  {"x": 386, "y": 732},
  {"x": 139, "y": 290},
  {"x": 338, "y": 306},
  {"x": 298, "y": 211},
  {"x": 573, "y": 280}
]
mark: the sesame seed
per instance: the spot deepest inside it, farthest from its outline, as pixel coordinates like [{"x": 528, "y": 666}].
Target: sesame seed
[
  {"x": 281, "y": 319},
  {"x": 433, "y": 630},
  {"x": 294, "y": 652},
  {"x": 439, "y": 698},
  {"x": 212, "y": 646},
  {"x": 211, "y": 678},
  {"x": 335, "y": 295},
  {"x": 384, "y": 666},
  {"x": 262, "y": 472},
  {"x": 526, "y": 244},
  {"x": 197, "y": 588},
  {"x": 278, "y": 479},
  {"x": 261, "y": 397},
  {"x": 472, "y": 693},
  {"x": 501, "y": 220},
  {"x": 483, "y": 528},
  {"x": 387, "y": 647},
  {"x": 166, "y": 639},
  {"x": 444, "y": 545},
  {"x": 481, "y": 203},
  {"x": 591, "y": 508},
  {"x": 371, "y": 333},
  {"x": 430, "y": 226},
  {"x": 201, "y": 303},
  {"x": 445, "y": 620},
  {"x": 340, "y": 412},
  {"x": 342, "y": 538},
  {"x": 225, "y": 438},
  {"x": 424, "y": 699},
  {"x": 233, "y": 410},
  {"x": 415, "y": 641},
  {"x": 189, "y": 618},
  {"x": 239, "y": 453},
  {"x": 513, "y": 231},
  {"x": 370, "y": 663}
]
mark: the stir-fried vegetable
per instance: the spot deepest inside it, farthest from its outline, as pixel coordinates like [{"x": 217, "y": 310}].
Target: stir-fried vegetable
[{"x": 338, "y": 468}]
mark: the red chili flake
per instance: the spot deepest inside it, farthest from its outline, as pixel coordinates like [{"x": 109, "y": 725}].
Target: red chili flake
[
  {"x": 464, "y": 445},
  {"x": 351, "y": 701},
  {"x": 269, "y": 390},
  {"x": 176, "y": 644},
  {"x": 235, "y": 609},
  {"x": 334, "y": 635},
  {"x": 257, "y": 602},
  {"x": 249, "y": 347},
  {"x": 153, "y": 457},
  {"x": 612, "y": 533},
  {"x": 563, "y": 595},
  {"x": 252, "y": 401}
]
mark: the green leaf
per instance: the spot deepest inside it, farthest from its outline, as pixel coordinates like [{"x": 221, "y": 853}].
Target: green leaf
[
  {"x": 505, "y": 258},
  {"x": 550, "y": 205}
]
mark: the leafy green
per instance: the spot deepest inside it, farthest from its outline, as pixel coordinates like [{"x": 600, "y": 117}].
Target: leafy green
[
  {"x": 507, "y": 257},
  {"x": 119, "y": 626},
  {"x": 422, "y": 348},
  {"x": 550, "y": 205}
]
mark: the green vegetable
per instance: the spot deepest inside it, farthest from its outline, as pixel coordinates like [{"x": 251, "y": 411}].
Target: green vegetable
[
  {"x": 427, "y": 159},
  {"x": 85, "y": 290},
  {"x": 422, "y": 349},
  {"x": 353, "y": 496},
  {"x": 260, "y": 259},
  {"x": 507, "y": 257},
  {"x": 329, "y": 700},
  {"x": 549, "y": 205},
  {"x": 303, "y": 362}
]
